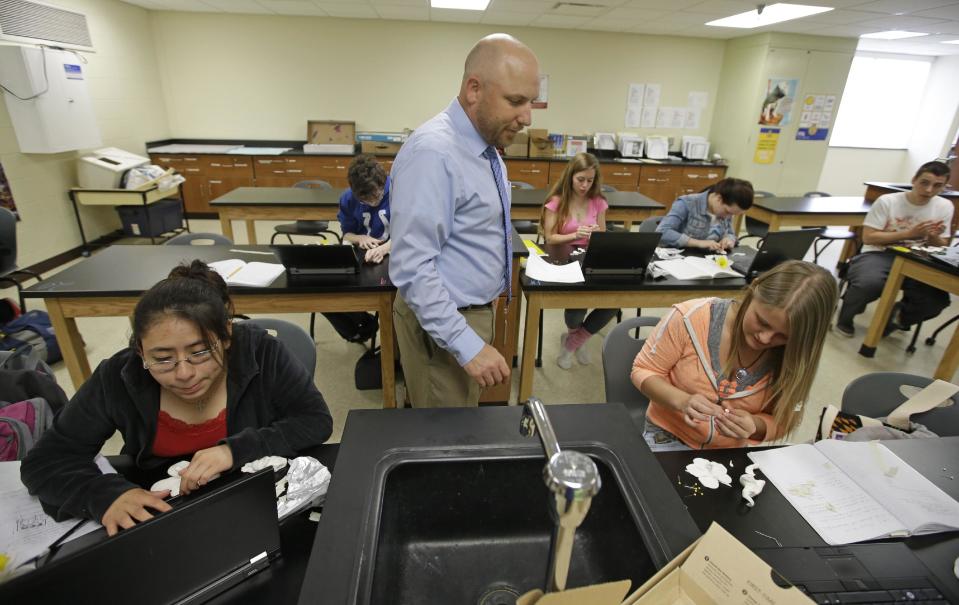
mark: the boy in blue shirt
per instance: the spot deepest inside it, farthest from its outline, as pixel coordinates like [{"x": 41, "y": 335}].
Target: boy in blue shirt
[{"x": 364, "y": 217}]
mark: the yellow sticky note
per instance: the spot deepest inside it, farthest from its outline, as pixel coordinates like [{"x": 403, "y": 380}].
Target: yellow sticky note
[{"x": 532, "y": 247}]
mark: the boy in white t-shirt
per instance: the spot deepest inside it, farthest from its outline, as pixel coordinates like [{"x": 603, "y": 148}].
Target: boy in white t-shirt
[{"x": 907, "y": 218}]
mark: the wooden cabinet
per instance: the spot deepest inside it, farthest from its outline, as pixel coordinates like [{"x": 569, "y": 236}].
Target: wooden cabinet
[
  {"x": 696, "y": 179},
  {"x": 207, "y": 177},
  {"x": 285, "y": 171},
  {"x": 534, "y": 172},
  {"x": 622, "y": 177},
  {"x": 660, "y": 183}
]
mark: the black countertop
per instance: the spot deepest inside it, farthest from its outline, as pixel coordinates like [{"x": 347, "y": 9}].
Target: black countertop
[
  {"x": 814, "y": 205},
  {"x": 947, "y": 193}
]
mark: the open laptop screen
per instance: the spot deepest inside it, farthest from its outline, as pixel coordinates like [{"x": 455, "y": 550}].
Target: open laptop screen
[{"x": 206, "y": 544}]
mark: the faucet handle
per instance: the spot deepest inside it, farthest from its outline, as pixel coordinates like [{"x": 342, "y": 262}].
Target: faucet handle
[{"x": 572, "y": 475}]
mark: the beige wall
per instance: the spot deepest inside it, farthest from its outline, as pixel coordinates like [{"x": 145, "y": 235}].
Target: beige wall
[
  {"x": 125, "y": 92},
  {"x": 821, "y": 65},
  {"x": 244, "y": 76}
]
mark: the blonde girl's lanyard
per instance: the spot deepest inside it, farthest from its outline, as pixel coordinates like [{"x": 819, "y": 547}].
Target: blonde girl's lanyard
[{"x": 713, "y": 380}]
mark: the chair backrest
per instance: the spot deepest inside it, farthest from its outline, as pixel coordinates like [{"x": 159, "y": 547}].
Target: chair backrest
[
  {"x": 199, "y": 239},
  {"x": 763, "y": 194},
  {"x": 879, "y": 393},
  {"x": 294, "y": 338},
  {"x": 607, "y": 188},
  {"x": 649, "y": 225},
  {"x": 313, "y": 185},
  {"x": 816, "y": 194},
  {"x": 8, "y": 241},
  {"x": 619, "y": 351}
]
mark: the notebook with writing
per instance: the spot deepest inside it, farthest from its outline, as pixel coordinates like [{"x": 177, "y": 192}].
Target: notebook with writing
[
  {"x": 318, "y": 261},
  {"x": 211, "y": 540},
  {"x": 619, "y": 255},
  {"x": 776, "y": 247}
]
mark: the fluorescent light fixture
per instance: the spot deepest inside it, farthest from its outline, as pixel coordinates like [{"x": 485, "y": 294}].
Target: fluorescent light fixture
[
  {"x": 951, "y": 42},
  {"x": 466, "y": 5},
  {"x": 776, "y": 13},
  {"x": 893, "y": 34}
]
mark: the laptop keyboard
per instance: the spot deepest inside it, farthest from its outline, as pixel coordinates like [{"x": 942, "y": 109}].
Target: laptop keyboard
[{"x": 893, "y": 591}]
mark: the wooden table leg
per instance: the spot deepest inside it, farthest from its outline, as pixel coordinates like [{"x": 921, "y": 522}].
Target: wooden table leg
[
  {"x": 950, "y": 359},
  {"x": 738, "y": 224},
  {"x": 226, "y": 226},
  {"x": 850, "y": 246},
  {"x": 251, "y": 232},
  {"x": 533, "y": 307},
  {"x": 774, "y": 223},
  {"x": 387, "y": 358},
  {"x": 883, "y": 309},
  {"x": 70, "y": 341}
]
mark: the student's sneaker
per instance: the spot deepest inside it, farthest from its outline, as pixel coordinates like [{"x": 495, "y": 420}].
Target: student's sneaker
[
  {"x": 582, "y": 354},
  {"x": 565, "y": 358},
  {"x": 846, "y": 331}
]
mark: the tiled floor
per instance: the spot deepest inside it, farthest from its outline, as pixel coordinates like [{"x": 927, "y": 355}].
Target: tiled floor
[{"x": 840, "y": 362}]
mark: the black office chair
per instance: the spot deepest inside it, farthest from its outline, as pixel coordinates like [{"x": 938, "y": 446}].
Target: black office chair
[
  {"x": 612, "y": 225},
  {"x": 619, "y": 350},
  {"x": 524, "y": 227},
  {"x": 315, "y": 228},
  {"x": 756, "y": 228},
  {"x": 199, "y": 239},
  {"x": 829, "y": 235},
  {"x": 9, "y": 272},
  {"x": 293, "y": 337},
  {"x": 649, "y": 225}
]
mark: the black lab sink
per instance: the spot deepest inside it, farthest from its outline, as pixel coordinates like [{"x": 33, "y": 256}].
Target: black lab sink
[{"x": 474, "y": 531}]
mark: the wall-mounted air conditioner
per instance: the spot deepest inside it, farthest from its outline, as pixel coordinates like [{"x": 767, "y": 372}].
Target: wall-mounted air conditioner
[{"x": 28, "y": 22}]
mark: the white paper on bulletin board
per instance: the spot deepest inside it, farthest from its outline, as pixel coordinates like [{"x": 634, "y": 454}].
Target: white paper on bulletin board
[
  {"x": 692, "y": 117},
  {"x": 651, "y": 97},
  {"x": 697, "y": 99},
  {"x": 542, "y": 99},
  {"x": 648, "y": 118},
  {"x": 634, "y": 104}
]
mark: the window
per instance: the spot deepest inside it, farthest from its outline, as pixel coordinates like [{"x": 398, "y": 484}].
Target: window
[{"x": 881, "y": 102}]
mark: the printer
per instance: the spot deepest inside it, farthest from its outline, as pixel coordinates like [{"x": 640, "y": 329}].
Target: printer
[{"x": 695, "y": 148}]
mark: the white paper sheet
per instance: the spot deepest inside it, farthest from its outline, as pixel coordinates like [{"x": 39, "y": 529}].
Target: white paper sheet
[
  {"x": 648, "y": 117},
  {"x": 539, "y": 269},
  {"x": 693, "y": 267},
  {"x": 240, "y": 273},
  {"x": 651, "y": 98},
  {"x": 697, "y": 99}
]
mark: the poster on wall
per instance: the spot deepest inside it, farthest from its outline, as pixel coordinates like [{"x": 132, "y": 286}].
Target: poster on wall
[
  {"x": 542, "y": 99},
  {"x": 6, "y": 195},
  {"x": 778, "y": 102},
  {"x": 766, "y": 146},
  {"x": 634, "y": 104},
  {"x": 815, "y": 117}
]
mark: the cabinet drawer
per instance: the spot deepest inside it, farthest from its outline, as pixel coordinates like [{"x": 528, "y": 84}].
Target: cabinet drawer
[
  {"x": 330, "y": 167},
  {"x": 616, "y": 174},
  {"x": 660, "y": 172},
  {"x": 534, "y": 173},
  {"x": 701, "y": 177}
]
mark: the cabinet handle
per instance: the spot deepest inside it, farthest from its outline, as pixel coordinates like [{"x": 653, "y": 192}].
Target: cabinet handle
[
  {"x": 278, "y": 171},
  {"x": 713, "y": 175},
  {"x": 192, "y": 169},
  {"x": 693, "y": 176},
  {"x": 165, "y": 159},
  {"x": 264, "y": 161},
  {"x": 215, "y": 164},
  {"x": 240, "y": 165},
  {"x": 292, "y": 171},
  {"x": 341, "y": 167},
  {"x": 216, "y": 182},
  {"x": 190, "y": 159}
]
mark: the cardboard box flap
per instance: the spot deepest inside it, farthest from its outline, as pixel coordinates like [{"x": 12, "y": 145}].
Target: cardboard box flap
[
  {"x": 610, "y": 593},
  {"x": 717, "y": 568}
]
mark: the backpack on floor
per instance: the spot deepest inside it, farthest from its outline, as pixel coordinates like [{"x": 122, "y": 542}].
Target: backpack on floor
[
  {"x": 21, "y": 425},
  {"x": 33, "y": 328}
]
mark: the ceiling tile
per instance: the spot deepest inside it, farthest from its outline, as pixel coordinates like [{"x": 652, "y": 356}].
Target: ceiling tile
[
  {"x": 684, "y": 18},
  {"x": 906, "y": 22},
  {"x": 796, "y": 26},
  {"x": 847, "y": 31},
  {"x": 455, "y": 15},
  {"x": 188, "y": 5},
  {"x": 706, "y": 31},
  {"x": 558, "y": 21},
  {"x": 293, "y": 7},
  {"x": 348, "y": 10},
  {"x": 606, "y": 25},
  {"x": 944, "y": 27},
  {"x": 633, "y": 14},
  {"x": 898, "y": 7},
  {"x": 397, "y": 11},
  {"x": 669, "y": 5},
  {"x": 522, "y": 6},
  {"x": 239, "y": 6},
  {"x": 724, "y": 8},
  {"x": 945, "y": 12},
  {"x": 505, "y": 18},
  {"x": 417, "y": 3},
  {"x": 842, "y": 17},
  {"x": 658, "y": 28}
]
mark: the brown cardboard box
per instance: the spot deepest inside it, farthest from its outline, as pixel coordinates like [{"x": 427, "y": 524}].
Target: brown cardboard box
[
  {"x": 380, "y": 147},
  {"x": 519, "y": 148},
  {"x": 540, "y": 145},
  {"x": 330, "y": 132},
  {"x": 715, "y": 569}
]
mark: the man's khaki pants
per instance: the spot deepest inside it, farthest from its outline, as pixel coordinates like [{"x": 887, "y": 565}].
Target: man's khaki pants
[{"x": 433, "y": 376}]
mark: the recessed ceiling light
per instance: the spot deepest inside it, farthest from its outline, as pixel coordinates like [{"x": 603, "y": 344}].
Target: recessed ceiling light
[
  {"x": 466, "y": 5},
  {"x": 775, "y": 13},
  {"x": 951, "y": 42},
  {"x": 893, "y": 34}
]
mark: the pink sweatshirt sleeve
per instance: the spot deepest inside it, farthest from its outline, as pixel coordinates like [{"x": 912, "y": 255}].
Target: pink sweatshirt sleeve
[{"x": 662, "y": 350}]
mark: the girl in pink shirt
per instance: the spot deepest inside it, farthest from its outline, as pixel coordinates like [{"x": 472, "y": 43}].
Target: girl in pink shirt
[
  {"x": 720, "y": 373},
  {"x": 576, "y": 209}
]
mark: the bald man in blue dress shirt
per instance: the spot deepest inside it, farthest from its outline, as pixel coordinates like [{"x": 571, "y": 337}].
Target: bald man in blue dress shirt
[{"x": 451, "y": 229}]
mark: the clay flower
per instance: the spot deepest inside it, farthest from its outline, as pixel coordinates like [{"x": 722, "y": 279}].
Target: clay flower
[{"x": 709, "y": 473}]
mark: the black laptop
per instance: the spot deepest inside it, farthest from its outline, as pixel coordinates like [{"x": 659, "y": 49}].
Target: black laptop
[
  {"x": 619, "y": 255},
  {"x": 880, "y": 572},
  {"x": 318, "y": 261},
  {"x": 949, "y": 256},
  {"x": 211, "y": 540},
  {"x": 776, "y": 247}
]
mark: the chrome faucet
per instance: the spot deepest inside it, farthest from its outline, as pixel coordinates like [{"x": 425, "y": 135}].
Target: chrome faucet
[{"x": 572, "y": 478}]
